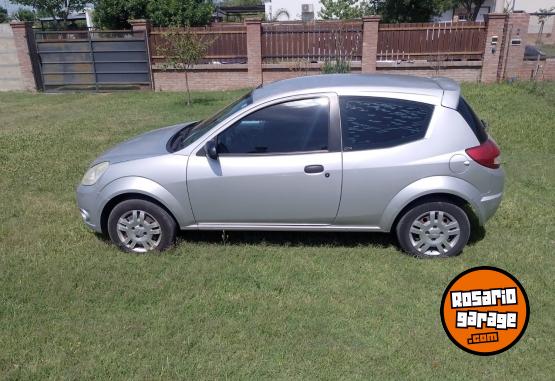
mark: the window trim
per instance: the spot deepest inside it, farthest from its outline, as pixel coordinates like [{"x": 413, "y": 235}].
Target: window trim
[
  {"x": 380, "y": 97},
  {"x": 334, "y": 130},
  {"x": 475, "y": 124}
]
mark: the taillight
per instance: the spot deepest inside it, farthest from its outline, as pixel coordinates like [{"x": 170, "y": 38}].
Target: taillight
[{"x": 486, "y": 154}]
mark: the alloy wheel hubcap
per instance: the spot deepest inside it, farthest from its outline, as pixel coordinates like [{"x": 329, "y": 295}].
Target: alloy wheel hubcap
[
  {"x": 139, "y": 231},
  {"x": 434, "y": 233}
]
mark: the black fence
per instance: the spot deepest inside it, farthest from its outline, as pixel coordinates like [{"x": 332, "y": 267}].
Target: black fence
[{"x": 92, "y": 60}]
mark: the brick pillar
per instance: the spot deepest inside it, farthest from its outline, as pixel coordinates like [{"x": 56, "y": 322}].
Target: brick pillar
[
  {"x": 140, "y": 25},
  {"x": 493, "y": 54},
  {"x": 370, "y": 43},
  {"x": 517, "y": 33},
  {"x": 254, "y": 51},
  {"x": 22, "y": 31}
]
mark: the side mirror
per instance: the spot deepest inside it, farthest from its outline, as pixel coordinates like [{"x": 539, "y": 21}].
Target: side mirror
[{"x": 211, "y": 149}]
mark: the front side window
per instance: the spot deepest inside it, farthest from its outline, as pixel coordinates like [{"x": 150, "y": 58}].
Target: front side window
[
  {"x": 372, "y": 123},
  {"x": 190, "y": 134},
  {"x": 296, "y": 126}
]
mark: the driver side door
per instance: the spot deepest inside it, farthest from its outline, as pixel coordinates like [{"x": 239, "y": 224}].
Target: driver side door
[{"x": 281, "y": 165}]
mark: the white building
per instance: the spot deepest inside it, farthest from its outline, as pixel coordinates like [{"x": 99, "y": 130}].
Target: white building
[{"x": 286, "y": 10}]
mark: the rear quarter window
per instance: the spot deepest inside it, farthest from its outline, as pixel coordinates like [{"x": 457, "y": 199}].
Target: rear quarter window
[
  {"x": 372, "y": 123},
  {"x": 472, "y": 120}
]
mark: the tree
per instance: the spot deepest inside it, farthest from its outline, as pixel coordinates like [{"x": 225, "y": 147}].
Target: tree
[
  {"x": 182, "y": 49},
  {"x": 4, "y": 15},
  {"x": 280, "y": 12},
  {"x": 180, "y": 12},
  {"x": 113, "y": 14},
  {"x": 24, "y": 14},
  {"x": 396, "y": 11},
  {"x": 471, "y": 7},
  {"x": 347, "y": 9},
  {"x": 391, "y": 10},
  {"x": 57, "y": 9},
  {"x": 235, "y": 3},
  {"x": 542, "y": 18}
]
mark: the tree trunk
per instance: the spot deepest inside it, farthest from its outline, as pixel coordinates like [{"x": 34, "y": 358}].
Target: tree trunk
[
  {"x": 477, "y": 7},
  {"x": 187, "y": 87},
  {"x": 55, "y": 18}
]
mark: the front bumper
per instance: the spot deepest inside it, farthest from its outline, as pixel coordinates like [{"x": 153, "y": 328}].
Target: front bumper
[{"x": 87, "y": 201}]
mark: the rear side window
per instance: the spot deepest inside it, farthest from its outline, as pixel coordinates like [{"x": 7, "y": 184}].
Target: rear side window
[
  {"x": 371, "y": 123},
  {"x": 472, "y": 119}
]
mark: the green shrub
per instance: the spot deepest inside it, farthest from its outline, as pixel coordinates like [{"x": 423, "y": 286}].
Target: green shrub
[{"x": 337, "y": 66}]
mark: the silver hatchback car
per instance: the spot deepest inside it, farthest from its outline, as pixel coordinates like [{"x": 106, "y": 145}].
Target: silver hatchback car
[{"x": 368, "y": 153}]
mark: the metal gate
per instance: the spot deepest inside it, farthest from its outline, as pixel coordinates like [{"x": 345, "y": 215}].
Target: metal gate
[{"x": 91, "y": 60}]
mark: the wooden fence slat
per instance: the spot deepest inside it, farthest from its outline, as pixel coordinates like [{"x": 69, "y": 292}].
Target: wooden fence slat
[{"x": 320, "y": 40}]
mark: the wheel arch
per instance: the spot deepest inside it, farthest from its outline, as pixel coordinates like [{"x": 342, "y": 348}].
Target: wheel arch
[
  {"x": 144, "y": 189},
  {"x": 438, "y": 188},
  {"x": 111, "y": 204}
]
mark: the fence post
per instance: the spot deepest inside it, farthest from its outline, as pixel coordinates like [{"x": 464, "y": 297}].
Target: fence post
[
  {"x": 492, "y": 61},
  {"x": 22, "y": 33},
  {"x": 254, "y": 51},
  {"x": 143, "y": 25},
  {"x": 370, "y": 43},
  {"x": 517, "y": 34},
  {"x": 140, "y": 25}
]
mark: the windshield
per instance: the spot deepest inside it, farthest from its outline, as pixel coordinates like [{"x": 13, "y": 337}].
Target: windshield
[{"x": 191, "y": 133}]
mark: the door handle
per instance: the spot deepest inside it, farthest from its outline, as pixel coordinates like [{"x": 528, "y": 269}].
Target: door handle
[{"x": 314, "y": 169}]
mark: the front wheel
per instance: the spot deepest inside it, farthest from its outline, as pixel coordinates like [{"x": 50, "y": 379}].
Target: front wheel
[
  {"x": 140, "y": 226},
  {"x": 434, "y": 229}
]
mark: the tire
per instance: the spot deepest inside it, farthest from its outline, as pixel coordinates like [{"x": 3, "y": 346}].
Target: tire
[
  {"x": 140, "y": 226},
  {"x": 433, "y": 230}
]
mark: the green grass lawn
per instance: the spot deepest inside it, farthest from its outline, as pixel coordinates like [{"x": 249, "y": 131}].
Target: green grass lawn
[{"x": 255, "y": 305}]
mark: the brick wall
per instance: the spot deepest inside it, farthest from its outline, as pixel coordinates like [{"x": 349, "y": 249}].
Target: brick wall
[
  {"x": 254, "y": 52},
  {"x": 370, "y": 43},
  {"x": 202, "y": 79},
  {"x": 22, "y": 33},
  {"x": 517, "y": 34},
  {"x": 10, "y": 71},
  {"x": 457, "y": 74},
  {"x": 542, "y": 70},
  {"x": 499, "y": 60},
  {"x": 209, "y": 77},
  {"x": 548, "y": 72},
  {"x": 503, "y": 60},
  {"x": 493, "y": 51}
]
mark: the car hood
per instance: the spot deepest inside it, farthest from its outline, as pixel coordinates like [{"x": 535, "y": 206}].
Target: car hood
[{"x": 152, "y": 143}]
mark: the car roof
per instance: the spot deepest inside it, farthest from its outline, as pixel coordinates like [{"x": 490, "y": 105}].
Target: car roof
[{"x": 445, "y": 89}]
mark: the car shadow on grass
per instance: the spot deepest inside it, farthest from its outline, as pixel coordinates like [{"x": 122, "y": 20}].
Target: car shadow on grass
[
  {"x": 301, "y": 238},
  {"x": 477, "y": 232},
  {"x": 291, "y": 239}
]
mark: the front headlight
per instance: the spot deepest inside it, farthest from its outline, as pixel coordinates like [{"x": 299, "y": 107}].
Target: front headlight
[{"x": 94, "y": 173}]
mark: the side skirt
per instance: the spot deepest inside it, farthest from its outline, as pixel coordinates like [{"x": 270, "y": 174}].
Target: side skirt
[{"x": 282, "y": 227}]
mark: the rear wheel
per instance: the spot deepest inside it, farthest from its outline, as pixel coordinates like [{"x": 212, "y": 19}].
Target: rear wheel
[
  {"x": 434, "y": 229},
  {"x": 140, "y": 226}
]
